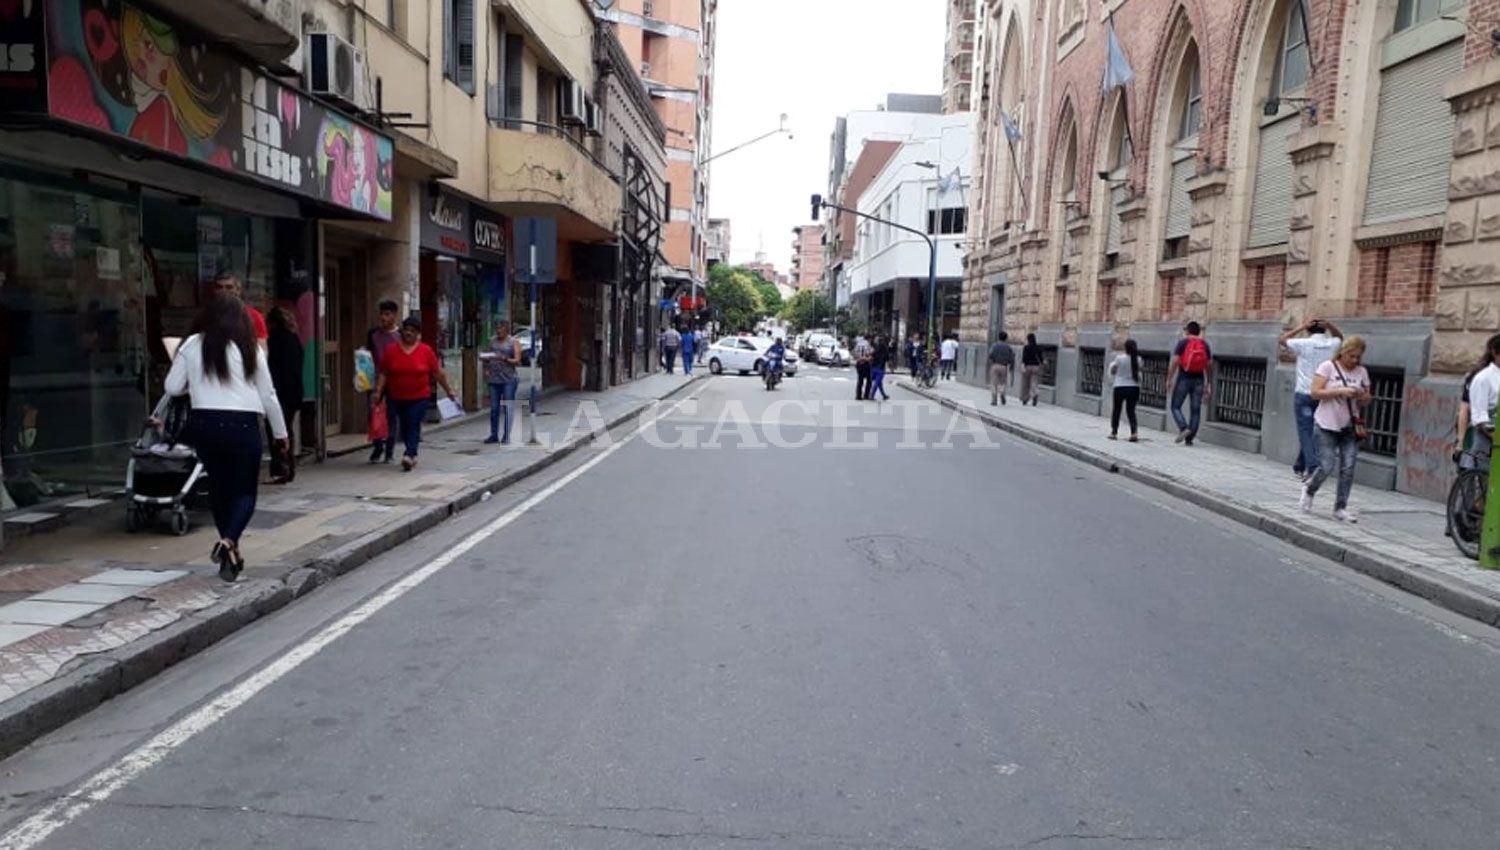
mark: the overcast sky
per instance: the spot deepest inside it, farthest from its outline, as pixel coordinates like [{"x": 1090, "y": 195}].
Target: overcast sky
[{"x": 814, "y": 60}]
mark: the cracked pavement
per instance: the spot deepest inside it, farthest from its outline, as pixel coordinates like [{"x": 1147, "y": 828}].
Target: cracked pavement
[{"x": 826, "y": 648}]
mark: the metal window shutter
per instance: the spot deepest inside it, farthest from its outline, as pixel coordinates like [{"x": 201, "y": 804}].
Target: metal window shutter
[
  {"x": 464, "y": 59},
  {"x": 1271, "y": 207},
  {"x": 1116, "y": 200},
  {"x": 1413, "y": 133},
  {"x": 1179, "y": 205}
]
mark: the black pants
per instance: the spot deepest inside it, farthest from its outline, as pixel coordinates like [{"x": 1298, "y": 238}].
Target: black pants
[
  {"x": 862, "y": 381},
  {"x": 1124, "y": 397},
  {"x": 228, "y": 443}
]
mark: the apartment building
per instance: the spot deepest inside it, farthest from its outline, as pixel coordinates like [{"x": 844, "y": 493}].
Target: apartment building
[
  {"x": 921, "y": 186},
  {"x": 807, "y": 256},
  {"x": 1269, "y": 161},
  {"x": 673, "y": 42},
  {"x": 720, "y": 234},
  {"x": 958, "y": 55}
]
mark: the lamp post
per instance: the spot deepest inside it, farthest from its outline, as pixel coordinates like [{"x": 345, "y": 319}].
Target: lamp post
[{"x": 932, "y": 321}]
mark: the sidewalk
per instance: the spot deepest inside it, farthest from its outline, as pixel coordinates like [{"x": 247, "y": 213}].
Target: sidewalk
[
  {"x": 1399, "y": 538},
  {"x": 89, "y": 610}
]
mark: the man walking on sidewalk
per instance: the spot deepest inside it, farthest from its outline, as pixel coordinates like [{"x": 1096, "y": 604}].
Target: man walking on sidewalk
[
  {"x": 1188, "y": 379},
  {"x": 949, "y": 355},
  {"x": 1319, "y": 346},
  {"x": 1002, "y": 359},
  {"x": 671, "y": 340},
  {"x": 862, "y": 354},
  {"x": 384, "y": 335}
]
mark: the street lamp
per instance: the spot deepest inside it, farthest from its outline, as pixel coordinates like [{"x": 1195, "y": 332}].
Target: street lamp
[
  {"x": 932, "y": 321},
  {"x": 780, "y": 128}
]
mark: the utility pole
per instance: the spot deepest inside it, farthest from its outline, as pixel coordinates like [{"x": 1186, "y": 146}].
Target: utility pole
[{"x": 817, "y": 209}]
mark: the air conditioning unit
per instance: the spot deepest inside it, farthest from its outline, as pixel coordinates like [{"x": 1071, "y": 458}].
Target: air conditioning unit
[
  {"x": 337, "y": 71},
  {"x": 574, "y": 106},
  {"x": 594, "y": 118}
]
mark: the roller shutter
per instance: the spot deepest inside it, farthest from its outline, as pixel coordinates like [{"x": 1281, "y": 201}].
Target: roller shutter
[
  {"x": 1179, "y": 205},
  {"x": 1271, "y": 208},
  {"x": 1413, "y": 138}
]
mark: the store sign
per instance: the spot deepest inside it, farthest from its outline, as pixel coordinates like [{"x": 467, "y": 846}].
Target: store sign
[
  {"x": 116, "y": 68},
  {"x": 489, "y": 235},
  {"x": 23, "y": 79},
  {"x": 458, "y": 227}
]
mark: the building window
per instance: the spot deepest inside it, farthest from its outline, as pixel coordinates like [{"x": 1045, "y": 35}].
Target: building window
[
  {"x": 1047, "y": 375},
  {"x": 1192, "y": 105},
  {"x": 1175, "y": 248},
  {"x": 1091, "y": 371},
  {"x": 1106, "y": 301},
  {"x": 458, "y": 43},
  {"x": 1409, "y": 13},
  {"x": 1255, "y": 289},
  {"x": 1383, "y": 416},
  {"x": 1292, "y": 59},
  {"x": 1153, "y": 378},
  {"x": 1062, "y": 303},
  {"x": 1239, "y": 392},
  {"x": 947, "y": 221}
]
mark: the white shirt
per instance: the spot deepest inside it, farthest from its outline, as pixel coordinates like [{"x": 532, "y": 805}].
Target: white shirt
[
  {"x": 950, "y": 349},
  {"x": 1312, "y": 352},
  {"x": 257, "y": 395},
  {"x": 1483, "y": 391}
]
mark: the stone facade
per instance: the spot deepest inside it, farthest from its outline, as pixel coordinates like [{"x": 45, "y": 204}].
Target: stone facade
[{"x": 1244, "y": 178}]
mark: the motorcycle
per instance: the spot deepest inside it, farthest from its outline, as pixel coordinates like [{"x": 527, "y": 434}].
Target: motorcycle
[{"x": 771, "y": 372}]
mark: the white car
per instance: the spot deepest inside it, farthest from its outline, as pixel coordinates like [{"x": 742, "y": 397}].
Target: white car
[
  {"x": 831, "y": 353},
  {"x": 745, "y": 354}
]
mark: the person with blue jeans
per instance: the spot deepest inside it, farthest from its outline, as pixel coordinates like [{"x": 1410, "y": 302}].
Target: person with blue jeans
[
  {"x": 1318, "y": 347},
  {"x": 1188, "y": 380},
  {"x": 407, "y": 370},
  {"x": 689, "y": 342},
  {"x": 500, "y": 373}
]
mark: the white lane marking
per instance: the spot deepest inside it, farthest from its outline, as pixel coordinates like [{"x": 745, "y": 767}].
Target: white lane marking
[{"x": 35, "y": 829}]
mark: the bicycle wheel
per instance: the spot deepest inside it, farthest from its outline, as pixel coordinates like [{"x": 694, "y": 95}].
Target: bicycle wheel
[{"x": 1466, "y": 510}]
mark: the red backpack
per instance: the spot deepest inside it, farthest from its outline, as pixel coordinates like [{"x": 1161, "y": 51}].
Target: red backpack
[{"x": 1195, "y": 356}]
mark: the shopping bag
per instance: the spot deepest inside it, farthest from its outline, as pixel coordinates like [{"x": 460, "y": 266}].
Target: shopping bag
[
  {"x": 449, "y": 409},
  {"x": 380, "y": 426},
  {"x": 364, "y": 370}
]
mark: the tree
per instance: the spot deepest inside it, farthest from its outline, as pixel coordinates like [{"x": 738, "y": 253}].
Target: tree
[
  {"x": 770, "y": 296},
  {"x": 806, "y": 309},
  {"x": 732, "y": 291}
]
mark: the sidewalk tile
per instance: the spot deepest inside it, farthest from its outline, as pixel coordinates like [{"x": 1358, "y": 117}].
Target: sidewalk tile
[
  {"x": 15, "y": 632},
  {"x": 135, "y": 578},
  {"x": 32, "y": 612},
  {"x": 104, "y": 594}
]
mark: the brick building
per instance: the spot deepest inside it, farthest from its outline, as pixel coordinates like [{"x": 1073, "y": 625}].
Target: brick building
[
  {"x": 807, "y": 256},
  {"x": 1270, "y": 160}
]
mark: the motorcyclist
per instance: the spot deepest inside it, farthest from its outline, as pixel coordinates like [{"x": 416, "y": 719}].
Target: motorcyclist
[{"x": 776, "y": 354}]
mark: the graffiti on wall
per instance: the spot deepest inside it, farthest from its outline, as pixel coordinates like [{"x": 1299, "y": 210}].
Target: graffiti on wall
[{"x": 119, "y": 69}]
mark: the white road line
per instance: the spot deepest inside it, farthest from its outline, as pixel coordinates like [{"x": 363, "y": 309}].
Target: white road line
[{"x": 37, "y": 828}]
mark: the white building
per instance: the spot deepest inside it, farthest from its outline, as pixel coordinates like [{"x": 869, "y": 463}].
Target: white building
[{"x": 924, "y": 186}]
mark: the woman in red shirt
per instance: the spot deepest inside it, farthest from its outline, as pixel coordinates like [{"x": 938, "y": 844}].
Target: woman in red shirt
[{"x": 407, "y": 370}]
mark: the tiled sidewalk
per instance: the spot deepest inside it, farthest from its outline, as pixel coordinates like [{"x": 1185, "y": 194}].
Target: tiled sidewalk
[
  {"x": 79, "y": 591},
  {"x": 1399, "y": 528}
]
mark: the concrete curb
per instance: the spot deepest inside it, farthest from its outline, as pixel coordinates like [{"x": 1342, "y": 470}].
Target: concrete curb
[
  {"x": 1471, "y": 602},
  {"x": 108, "y": 674}
]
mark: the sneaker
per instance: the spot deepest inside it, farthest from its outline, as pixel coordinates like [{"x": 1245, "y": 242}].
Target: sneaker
[
  {"x": 406, "y": 464},
  {"x": 1344, "y": 515},
  {"x": 1002, "y": 399},
  {"x": 1134, "y": 438},
  {"x": 1181, "y": 435},
  {"x": 1114, "y": 436},
  {"x": 375, "y": 456},
  {"x": 1306, "y": 502},
  {"x": 491, "y": 440}
]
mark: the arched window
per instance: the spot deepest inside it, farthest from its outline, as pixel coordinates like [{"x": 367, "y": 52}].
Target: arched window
[
  {"x": 1005, "y": 191},
  {"x": 1292, "y": 62},
  {"x": 1067, "y": 179},
  {"x": 1285, "y": 50},
  {"x": 1187, "y": 115},
  {"x": 1117, "y": 169}
]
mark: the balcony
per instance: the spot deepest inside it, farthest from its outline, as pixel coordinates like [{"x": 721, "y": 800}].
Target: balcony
[
  {"x": 537, "y": 169},
  {"x": 268, "y": 30}
]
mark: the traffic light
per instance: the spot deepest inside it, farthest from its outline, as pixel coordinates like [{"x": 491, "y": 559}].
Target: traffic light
[{"x": 817, "y": 207}]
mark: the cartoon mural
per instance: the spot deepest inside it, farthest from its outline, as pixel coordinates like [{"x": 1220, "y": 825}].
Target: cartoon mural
[{"x": 119, "y": 69}]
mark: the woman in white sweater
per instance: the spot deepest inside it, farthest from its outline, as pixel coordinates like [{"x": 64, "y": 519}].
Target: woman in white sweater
[{"x": 221, "y": 368}]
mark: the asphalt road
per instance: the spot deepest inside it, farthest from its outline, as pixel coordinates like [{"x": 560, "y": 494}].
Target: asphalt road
[{"x": 903, "y": 645}]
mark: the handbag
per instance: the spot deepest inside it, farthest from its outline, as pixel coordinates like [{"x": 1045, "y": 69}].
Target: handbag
[
  {"x": 380, "y": 426},
  {"x": 1357, "y": 427}
]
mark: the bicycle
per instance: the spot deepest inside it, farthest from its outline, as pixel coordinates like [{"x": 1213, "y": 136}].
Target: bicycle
[
  {"x": 1466, "y": 501},
  {"x": 928, "y": 375}
]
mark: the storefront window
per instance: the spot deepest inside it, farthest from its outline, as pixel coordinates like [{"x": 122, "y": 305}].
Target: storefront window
[{"x": 74, "y": 358}]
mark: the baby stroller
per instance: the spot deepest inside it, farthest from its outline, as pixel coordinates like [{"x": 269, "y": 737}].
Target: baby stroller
[{"x": 163, "y": 472}]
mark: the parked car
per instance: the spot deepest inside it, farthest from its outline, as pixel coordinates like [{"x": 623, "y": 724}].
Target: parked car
[
  {"x": 745, "y": 354},
  {"x": 523, "y": 336},
  {"x": 811, "y": 342},
  {"x": 831, "y": 353}
]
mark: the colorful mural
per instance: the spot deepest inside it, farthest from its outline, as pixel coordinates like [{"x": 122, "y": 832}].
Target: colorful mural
[{"x": 119, "y": 69}]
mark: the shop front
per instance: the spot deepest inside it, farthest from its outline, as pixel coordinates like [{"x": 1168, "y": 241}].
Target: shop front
[
  {"x": 463, "y": 284},
  {"x": 122, "y": 197}
]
